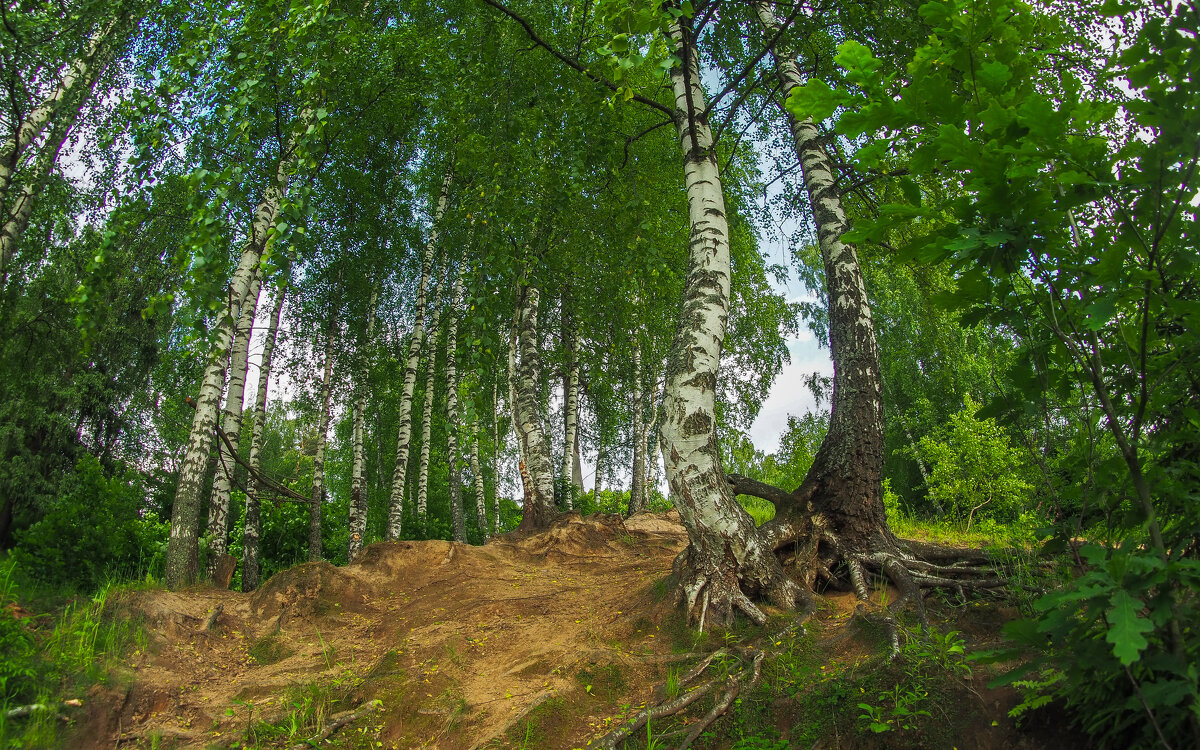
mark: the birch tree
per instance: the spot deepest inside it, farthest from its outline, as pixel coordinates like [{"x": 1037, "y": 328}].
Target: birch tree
[
  {"x": 415, "y": 345},
  {"x": 452, "y": 420},
  {"x": 252, "y": 525},
  {"x": 218, "y": 503},
  {"x": 539, "y": 509},
  {"x": 318, "y": 485},
  {"x": 358, "y": 482}
]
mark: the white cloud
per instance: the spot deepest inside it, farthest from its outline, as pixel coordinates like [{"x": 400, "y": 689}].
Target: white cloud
[{"x": 789, "y": 395}]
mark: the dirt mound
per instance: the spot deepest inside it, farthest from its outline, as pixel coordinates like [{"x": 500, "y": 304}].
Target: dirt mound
[
  {"x": 458, "y": 643},
  {"x": 532, "y": 641}
]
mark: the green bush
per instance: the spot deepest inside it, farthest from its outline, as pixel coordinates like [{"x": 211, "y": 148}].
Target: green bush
[
  {"x": 97, "y": 530},
  {"x": 975, "y": 473}
]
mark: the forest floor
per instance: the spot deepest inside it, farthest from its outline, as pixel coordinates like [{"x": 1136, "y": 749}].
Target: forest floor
[{"x": 545, "y": 641}]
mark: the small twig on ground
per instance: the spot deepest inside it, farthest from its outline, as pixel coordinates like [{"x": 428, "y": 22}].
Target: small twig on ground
[
  {"x": 337, "y": 722},
  {"x": 212, "y": 617}
]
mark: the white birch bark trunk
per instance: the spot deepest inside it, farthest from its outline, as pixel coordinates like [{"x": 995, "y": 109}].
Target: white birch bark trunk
[
  {"x": 358, "y": 478},
  {"x": 477, "y": 476},
  {"x": 318, "y": 486},
  {"x": 845, "y": 480},
  {"x": 725, "y": 551},
  {"x": 218, "y": 502},
  {"x": 181, "y": 562},
  {"x": 251, "y": 530},
  {"x": 17, "y": 219},
  {"x": 637, "y": 490},
  {"x": 80, "y": 75},
  {"x": 570, "y": 461},
  {"x": 427, "y": 417},
  {"x": 598, "y": 485},
  {"x": 513, "y": 410},
  {"x": 649, "y": 445},
  {"x": 457, "y": 516},
  {"x": 495, "y": 456},
  {"x": 404, "y": 440},
  {"x": 539, "y": 508}
]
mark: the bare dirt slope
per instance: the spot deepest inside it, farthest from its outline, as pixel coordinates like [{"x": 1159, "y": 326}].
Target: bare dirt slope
[
  {"x": 544, "y": 641},
  {"x": 457, "y": 642}
]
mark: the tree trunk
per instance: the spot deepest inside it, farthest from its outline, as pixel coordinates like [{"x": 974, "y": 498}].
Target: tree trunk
[
  {"x": 539, "y": 510},
  {"x": 181, "y": 563},
  {"x": 404, "y": 441},
  {"x": 318, "y": 485},
  {"x": 637, "y": 489},
  {"x": 844, "y": 483},
  {"x": 570, "y": 459},
  {"x": 598, "y": 484},
  {"x": 250, "y": 532},
  {"x": 650, "y": 443},
  {"x": 218, "y": 502},
  {"x": 358, "y": 481},
  {"x": 17, "y": 218},
  {"x": 427, "y": 417},
  {"x": 726, "y": 552},
  {"x": 495, "y": 455},
  {"x": 477, "y": 476},
  {"x": 513, "y": 412},
  {"x": 80, "y": 76},
  {"x": 457, "y": 516}
]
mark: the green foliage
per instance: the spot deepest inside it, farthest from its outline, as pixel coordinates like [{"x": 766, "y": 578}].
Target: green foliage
[
  {"x": 97, "y": 529},
  {"x": 56, "y": 656},
  {"x": 974, "y": 470},
  {"x": 1056, "y": 181}
]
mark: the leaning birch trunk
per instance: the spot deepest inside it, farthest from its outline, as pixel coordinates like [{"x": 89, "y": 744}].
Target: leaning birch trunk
[
  {"x": 427, "y": 416},
  {"x": 80, "y": 76},
  {"x": 17, "y": 219},
  {"x": 845, "y": 480},
  {"x": 725, "y": 552},
  {"x": 539, "y": 508},
  {"x": 218, "y": 502},
  {"x": 457, "y": 516},
  {"x": 637, "y": 489},
  {"x": 318, "y": 485},
  {"x": 404, "y": 440},
  {"x": 182, "y": 551},
  {"x": 477, "y": 475},
  {"x": 251, "y": 532},
  {"x": 358, "y": 481},
  {"x": 570, "y": 460}
]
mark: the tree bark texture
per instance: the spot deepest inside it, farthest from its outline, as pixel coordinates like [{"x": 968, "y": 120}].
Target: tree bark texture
[
  {"x": 637, "y": 489},
  {"x": 78, "y": 79},
  {"x": 427, "y": 417},
  {"x": 251, "y": 530},
  {"x": 358, "y": 478},
  {"x": 539, "y": 508},
  {"x": 16, "y": 220},
  {"x": 726, "y": 552},
  {"x": 495, "y": 455},
  {"x": 318, "y": 486},
  {"x": 457, "y": 516},
  {"x": 570, "y": 470},
  {"x": 477, "y": 477},
  {"x": 404, "y": 440},
  {"x": 844, "y": 484},
  {"x": 181, "y": 563},
  {"x": 231, "y": 424}
]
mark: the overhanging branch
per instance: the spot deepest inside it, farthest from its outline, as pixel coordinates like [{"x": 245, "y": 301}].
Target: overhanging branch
[{"x": 570, "y": 61}]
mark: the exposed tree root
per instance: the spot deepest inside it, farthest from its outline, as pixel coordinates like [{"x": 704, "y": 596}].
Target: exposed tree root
[
  {"x": 337, "y": 722},
  {"x": 734, "y": 684}
]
